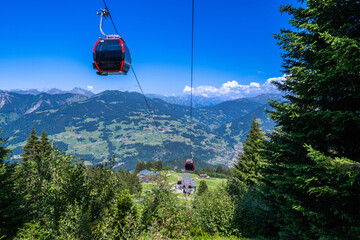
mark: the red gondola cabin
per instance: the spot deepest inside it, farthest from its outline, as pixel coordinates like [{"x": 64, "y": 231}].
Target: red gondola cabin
[
  {"x": 189, "y": 165},
  {"x": 111, "y": 56}
]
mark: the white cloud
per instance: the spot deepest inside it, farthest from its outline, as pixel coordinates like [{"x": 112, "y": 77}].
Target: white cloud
[
  {"x": 255, "y": 84},
  {"x": 233, "y": 90},
  {"x": 90, "y": 88},
  {"x": 187, "y": 89}
]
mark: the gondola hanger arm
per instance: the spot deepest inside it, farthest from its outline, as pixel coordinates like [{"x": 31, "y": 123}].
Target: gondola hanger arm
[{"x": 104, "y": 13}]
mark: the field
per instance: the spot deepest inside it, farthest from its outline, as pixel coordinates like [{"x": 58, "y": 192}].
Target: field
[{"x": 172, "y": 178}]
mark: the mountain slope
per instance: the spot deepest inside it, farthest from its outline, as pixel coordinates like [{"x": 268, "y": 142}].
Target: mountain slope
[
  {"x": 237, "y": 129},
  {"x": 118, "y": 123},
  {"x": 14, "y": 105},
  {"x": 114, "y": 122}
]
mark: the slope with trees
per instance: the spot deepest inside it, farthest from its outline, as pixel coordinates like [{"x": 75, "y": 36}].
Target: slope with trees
[{"x": 312, "y": 177}]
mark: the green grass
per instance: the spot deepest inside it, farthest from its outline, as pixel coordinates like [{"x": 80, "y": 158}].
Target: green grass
[
  {"x": 208, "y": 237},
  {"x": 212, "y": 182},
  {"x": 147, "y": 186}
]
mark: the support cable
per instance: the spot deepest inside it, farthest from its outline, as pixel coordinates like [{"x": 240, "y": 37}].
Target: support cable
[
  {"x": 150, "y": 111},
  {"x": 192, "y": 76},
  {"x": 111, "y": 18}
]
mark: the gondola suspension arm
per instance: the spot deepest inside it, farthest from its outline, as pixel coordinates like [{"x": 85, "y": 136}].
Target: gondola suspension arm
[{"x": 105, "y": 13}]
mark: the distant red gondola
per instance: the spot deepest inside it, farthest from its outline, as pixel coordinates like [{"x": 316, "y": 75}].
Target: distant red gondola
[
  {"x": 189, "y": 165},
  {"x": 179, "y": 182}
]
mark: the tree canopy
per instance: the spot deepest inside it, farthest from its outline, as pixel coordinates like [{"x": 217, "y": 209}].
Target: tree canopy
[{"x": 321, "y": 110}]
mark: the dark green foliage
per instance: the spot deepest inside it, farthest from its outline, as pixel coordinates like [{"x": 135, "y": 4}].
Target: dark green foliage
[
  {"x": 149, "y": 165},
  {"x": 219, "y": 172},
  {"x": 130, "y": 181},
  {"x": 120, "y": 220},
  {"x": 321, "y": 110},
  {"x": 66, "y": 200},
  {"x": 333, "y": 193},
  {"x": 203, "y": 187},
  {"x": 11, "y": 210},
  {"x": 44, "y": 144},
  {"x": 33, "y": 230},
  {"x": 140, "y": 166},
  {"x": 214, "y": 211},
  {"x": 250, "y": 216},
  {"x": 249, "y": 162},
  {"x": 158, "y": 166},
  {"x": 31, "y": 148},
  {"x": 164, "y": 214}
]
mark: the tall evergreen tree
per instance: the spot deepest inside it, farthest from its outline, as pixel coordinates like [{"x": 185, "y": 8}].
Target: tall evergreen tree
[
  {"x": 44, "y": 143},
  {"x": 32, "y": 173},
  {"x": 11, "y": 211},
  {"x": 140, "y": 166},
  {"x": 321, "y": 109},
  {"x": 203, "y": 187},
  {"x": 249, "y": 219},
  {"x": 158, "y": 165},
  {"x": 149, "y": 165},
  {"x": 247, "y": 168},
  {"x": 31, "y": 148}
]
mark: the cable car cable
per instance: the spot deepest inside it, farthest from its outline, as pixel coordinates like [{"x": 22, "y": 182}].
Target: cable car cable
[
  {"x": 192, "y": 76},
  {"x": 150, "y": 111},
  {"x": 111, "y": 18}
]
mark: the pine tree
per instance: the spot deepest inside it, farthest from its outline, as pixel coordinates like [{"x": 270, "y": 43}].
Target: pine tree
[
  {"x": 158, "y": 165},
  {"x": 29, "y": 173},
  {"x": 44, "y": 144},
  {"x": 11, "y": 212},
  {"x": 140, "y": 166},
  {"x": 149, "y": 165},
  {"x": 246, "y": 170},
  {"x": 203, "y": 187},
  {"x": 31, "y": 148},
  {"x": 249, "y": 219},
  {"x": 321, "y": 109}
]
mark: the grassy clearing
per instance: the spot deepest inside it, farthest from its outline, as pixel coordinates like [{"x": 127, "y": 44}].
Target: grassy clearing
[
  {"x": 219, "y": 238},
  {"x": 147, "y": 186},
  {"x": 172, "y": 178},
  {"x": 212, "y": 182}
]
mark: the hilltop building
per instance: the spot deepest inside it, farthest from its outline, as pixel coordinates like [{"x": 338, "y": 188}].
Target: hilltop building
[
  {"x": 146, "y": 176},
  {"x": 188, "y": 185}
]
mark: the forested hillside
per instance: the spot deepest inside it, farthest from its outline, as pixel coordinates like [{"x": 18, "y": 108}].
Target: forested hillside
[{"x": 118, "y": 123}]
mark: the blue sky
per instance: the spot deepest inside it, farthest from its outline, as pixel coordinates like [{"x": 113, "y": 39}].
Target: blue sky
[{"x": 47, "y": 44}]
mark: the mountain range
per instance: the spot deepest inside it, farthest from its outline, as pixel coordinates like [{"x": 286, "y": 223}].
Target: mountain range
[
  {"x": 114, "y": 123},
  {"x": 52, "y": 91}
]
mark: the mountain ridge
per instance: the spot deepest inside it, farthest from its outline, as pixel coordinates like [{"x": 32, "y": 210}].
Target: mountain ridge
[
  {"x": 52, "y": 91},
  {"x": 118, "y": 123}
]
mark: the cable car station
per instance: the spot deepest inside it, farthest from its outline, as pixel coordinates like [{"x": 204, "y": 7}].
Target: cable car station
[{"x": 187, "y": 185}]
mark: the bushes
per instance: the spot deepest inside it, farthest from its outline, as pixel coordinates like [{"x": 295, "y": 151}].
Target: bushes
[
  {"x": 214, "y": 211},
  {"x": 164, "y": 215}
]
